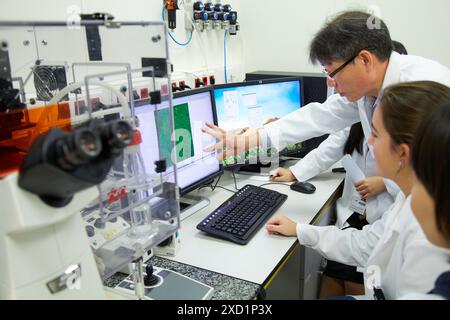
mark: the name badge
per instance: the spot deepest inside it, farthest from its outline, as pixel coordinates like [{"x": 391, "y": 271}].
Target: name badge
[{"x": 357, "y": 204}]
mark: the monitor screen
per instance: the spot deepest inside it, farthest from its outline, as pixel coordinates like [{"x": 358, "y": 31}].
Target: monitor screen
[
  {"x": 192, "y": 109},
  {"x": 250, "y": 104}
]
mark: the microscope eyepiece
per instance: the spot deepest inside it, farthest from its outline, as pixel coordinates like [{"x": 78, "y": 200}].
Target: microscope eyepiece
[
  {"x": 77, "y": 148},
  {"x": 117, "y": 135}
]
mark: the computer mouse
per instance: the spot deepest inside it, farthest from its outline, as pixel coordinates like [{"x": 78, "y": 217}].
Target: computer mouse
[{"x": 303, "y": 187}]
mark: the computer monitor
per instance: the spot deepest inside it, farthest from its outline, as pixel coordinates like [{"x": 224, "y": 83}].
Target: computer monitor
[
  {"x": 250, "y": 104},
  {"x": 315, "y": 89},
  {"x": 192, "y": 109}
]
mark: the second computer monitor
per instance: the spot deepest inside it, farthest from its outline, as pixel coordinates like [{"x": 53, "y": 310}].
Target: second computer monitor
[
  {"x": 191, "y": 111},
  {"x": 251, "y": 104}
]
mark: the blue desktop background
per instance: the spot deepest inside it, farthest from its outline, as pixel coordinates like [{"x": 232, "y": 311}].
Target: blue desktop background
[{"x": 276, "y": 99}]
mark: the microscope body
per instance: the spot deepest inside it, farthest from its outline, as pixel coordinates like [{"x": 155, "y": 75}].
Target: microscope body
[
  {"x": 43, "y": 243},
  {"x": 45, "y": 251}
]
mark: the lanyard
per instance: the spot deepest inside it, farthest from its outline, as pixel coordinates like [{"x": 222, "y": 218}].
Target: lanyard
[{"x": 378, "y": 294}]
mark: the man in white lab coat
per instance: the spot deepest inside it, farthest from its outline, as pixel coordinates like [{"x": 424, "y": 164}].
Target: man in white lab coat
[{"x": 359, "y": 60}]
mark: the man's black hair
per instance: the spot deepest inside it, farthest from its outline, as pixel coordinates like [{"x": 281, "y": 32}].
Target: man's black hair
[{"x": 347, "y": 34}]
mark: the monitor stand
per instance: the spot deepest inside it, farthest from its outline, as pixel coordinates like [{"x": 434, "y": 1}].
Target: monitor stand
[
  {"x": 190, "y": 204},
  {"x": 254, "y": 171}
]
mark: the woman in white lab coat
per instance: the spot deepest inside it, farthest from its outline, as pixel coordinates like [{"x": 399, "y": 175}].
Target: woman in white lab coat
[
  {"x": 393, "y": 252},
  {"x": 430, "y": 202},
  {"x": 340, "y": 279}
]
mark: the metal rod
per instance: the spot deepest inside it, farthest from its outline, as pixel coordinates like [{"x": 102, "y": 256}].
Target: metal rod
[
  {"x": 138, "y": 278},
  {"x": 82, "y": 23}
]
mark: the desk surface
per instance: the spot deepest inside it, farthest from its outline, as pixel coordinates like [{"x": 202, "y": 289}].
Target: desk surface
[{"x": 255, "y": 261}]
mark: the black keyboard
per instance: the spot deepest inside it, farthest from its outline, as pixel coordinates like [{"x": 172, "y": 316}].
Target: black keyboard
[{"x": 243, "y": 214}]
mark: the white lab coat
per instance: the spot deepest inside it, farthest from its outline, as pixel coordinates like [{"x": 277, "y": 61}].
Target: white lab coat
[
  {"x": 337, "y": 113},
  {"x": 393, "y": 252},
  {"x": 328, "y": 153},
  {"x": 421, "y": 296},
  {"x": 427, "y": 296}
]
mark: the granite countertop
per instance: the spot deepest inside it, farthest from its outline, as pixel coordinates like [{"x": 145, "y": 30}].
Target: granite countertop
[{"x": 225, "y": 287}]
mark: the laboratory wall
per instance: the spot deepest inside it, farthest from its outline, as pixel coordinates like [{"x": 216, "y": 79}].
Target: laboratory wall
[
  {"x": 277, "y": 34},
  {"x": 274, "y": 35},
  {"x": 203, "y": 56}
]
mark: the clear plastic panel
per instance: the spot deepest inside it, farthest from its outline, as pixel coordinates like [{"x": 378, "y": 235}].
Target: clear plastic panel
[
  {"x": 136, "y": 189},
  {"x": 44, "y": 57},
  {"x": 38, "y": 60}
]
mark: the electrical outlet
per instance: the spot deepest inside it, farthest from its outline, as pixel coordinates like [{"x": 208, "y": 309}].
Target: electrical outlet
[
  {"x": 164, "y": 89},
  {"x": 144, "y": 93},
  {"x": 94, "y": 100}
]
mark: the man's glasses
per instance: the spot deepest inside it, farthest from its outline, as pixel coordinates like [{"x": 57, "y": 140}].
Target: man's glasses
[{"x": 335, "y": 72}]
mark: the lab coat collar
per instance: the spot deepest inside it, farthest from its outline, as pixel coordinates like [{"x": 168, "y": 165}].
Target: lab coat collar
[
  {"x": 392, "y": 75},
  {"x": 403, "y": 215},
  {"x": 398, "y": 217},
  {"x": 405, "y": 218}
]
